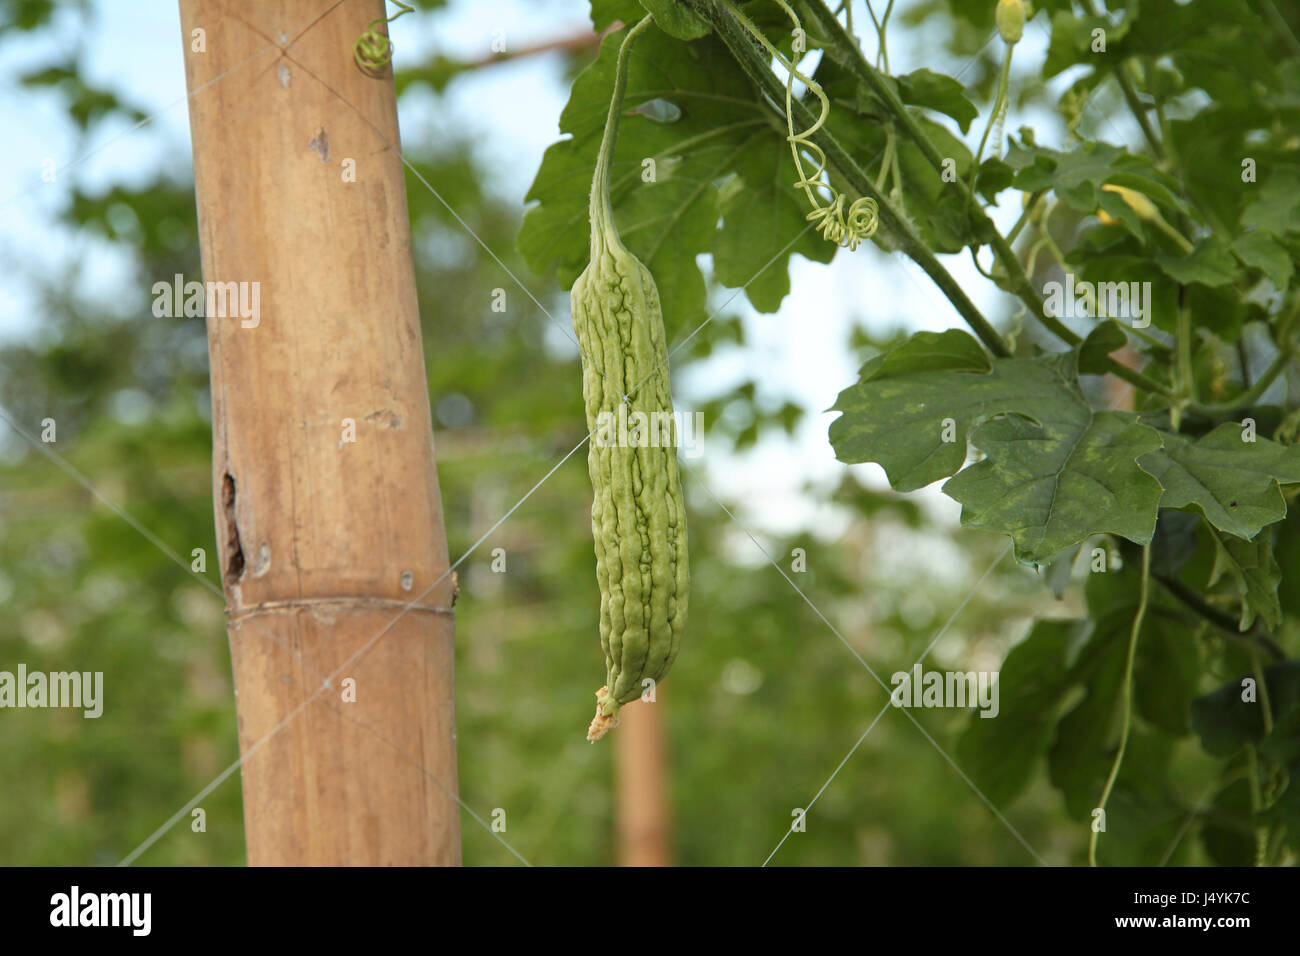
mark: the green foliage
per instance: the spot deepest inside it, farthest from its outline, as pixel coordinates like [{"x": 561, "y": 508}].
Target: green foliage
[
  {"x": 1080, "y": 475},
  {"x": 1234, "y": 484},
  {"x": 1202, "y": 221}
]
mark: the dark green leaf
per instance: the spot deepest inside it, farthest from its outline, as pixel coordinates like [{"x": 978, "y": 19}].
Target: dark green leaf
[
  {"x": 676, "y": 19},
  {"x": 1232, "y": 715},
  {"x": 760, "y": 202},
  {"x": 937, "y": 92},
  {"x": 1209, "y": 263},
  {"x": 1234, "y": 483},
  {"x": 1254, "y": 571},
  {"x": 1107, "y": 337},
  {"x": 1056, "y": 470},
  {"x": 1260, "y": 250},
  {"x": 1001, "y": 753}
]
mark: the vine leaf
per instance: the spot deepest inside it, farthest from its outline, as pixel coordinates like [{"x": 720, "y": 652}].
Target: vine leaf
[
  {"x": 1077, "y": 176},
  {"x": 1055, "y": 471},
  {"x": 1210, "y": 263},
  {"x": 1107, "y": 337},
  {"x": 1225, "y": 722},
  {"x": 1276, "y": 207},
  {"x": 605, "y": 12},
  {"x": 1235, "y": 484},
  {"x": 1002, "y": 753},
  {"x": 939, "y": 92},
  {"x": 676, "y": 19},
  {"x": 1261, "y": 250},
  {"x": 760, "y": 202},
  {"x": 1073, "y": 39},
  {"x": 1255, "y": 572}
]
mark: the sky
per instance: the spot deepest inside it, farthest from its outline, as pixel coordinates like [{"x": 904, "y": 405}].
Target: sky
[{"x": 512, "y": 109}]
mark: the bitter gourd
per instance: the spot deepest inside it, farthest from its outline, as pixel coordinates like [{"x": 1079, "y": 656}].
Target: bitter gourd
[{"x": 638, "y": 518}]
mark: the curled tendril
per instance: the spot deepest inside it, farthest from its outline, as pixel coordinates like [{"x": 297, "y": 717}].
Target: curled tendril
[
  {"x": 843, "y": 227},
  {"x": 374, "y": 50},
  {"x": 847, "y": 231}
]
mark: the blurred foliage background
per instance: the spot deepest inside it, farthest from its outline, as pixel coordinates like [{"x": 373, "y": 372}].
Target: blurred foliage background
[{"x": 764, "y": 703}]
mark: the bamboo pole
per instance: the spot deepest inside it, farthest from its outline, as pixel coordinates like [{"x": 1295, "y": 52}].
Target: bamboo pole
[
  {"x": 329, "y": 519},
  {"x": 644, "y": 827}
]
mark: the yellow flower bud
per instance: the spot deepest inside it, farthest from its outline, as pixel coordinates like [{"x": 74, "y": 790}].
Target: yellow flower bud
[
  {"x": 1010, "y": 18},
  {"x": 1136, "y": 201}
]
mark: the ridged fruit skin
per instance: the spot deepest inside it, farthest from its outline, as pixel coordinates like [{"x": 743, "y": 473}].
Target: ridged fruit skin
[{"x": 638, "y": 518}]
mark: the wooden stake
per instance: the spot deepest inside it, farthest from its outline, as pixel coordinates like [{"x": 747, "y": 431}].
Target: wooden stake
[
  {"x": 644, "y": 828},
  {"x": 328, "y": 513}
]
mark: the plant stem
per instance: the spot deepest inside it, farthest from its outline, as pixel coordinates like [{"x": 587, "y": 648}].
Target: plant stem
[
  {"x": 995, "y": 117},
  {"x": 1053, "y": 248},
  {"x": 1225, "y": 623},
  {"x": 1127, "y": 692},
  {"x": 1186, "y": 383},
  {"x": 1025, "y": 214},
  {"x": 1260, "y": 833},
  {"x": 1266, "y": 710},
  {"x": 1131, "y": 98},
  {"x": 602, "y": 214},
  {"x": 1179, "y": 239},
  {"x": 1282, "y": 27},
  {"x": 1250, "y": 395},
  {"x": 1139, "y": 111},
  {"x": 890, "y": 143},
  {"x": 881, "y": 25}
]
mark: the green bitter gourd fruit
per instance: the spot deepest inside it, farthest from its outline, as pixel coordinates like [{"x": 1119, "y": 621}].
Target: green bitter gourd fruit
[{"x": 638, "y": 518}]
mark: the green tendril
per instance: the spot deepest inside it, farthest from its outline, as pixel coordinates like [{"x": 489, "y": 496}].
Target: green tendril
[
  {"x": 1127, "y": 700},
  {"x": 373, "y": 49},
  {"x": 839, "y": 221},
  {"x": 1010, "y": 17}
]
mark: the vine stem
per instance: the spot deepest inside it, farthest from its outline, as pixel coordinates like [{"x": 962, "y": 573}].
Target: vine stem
[
  {"x": 1131, "y": 98},
  {"x": 835, "y": 224},
  {"x": 1185, "y": 379},
  {"x": 749, "y": 54},
  {"x": 1225, "y": 624},
  {"x": 1250, "y": 395},
  {"x": 847, "y": 53},
  {"x": 1256, "y": 802},
  {"x": 996, "y": 117},
  {"x": 1026, "y": 214},
  {"x": 1178, "y": 238},
  {"x": 1260, "y": 832},
  {"x": 1127, "y": 692},
  {"x": 881, "y": 25}
]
